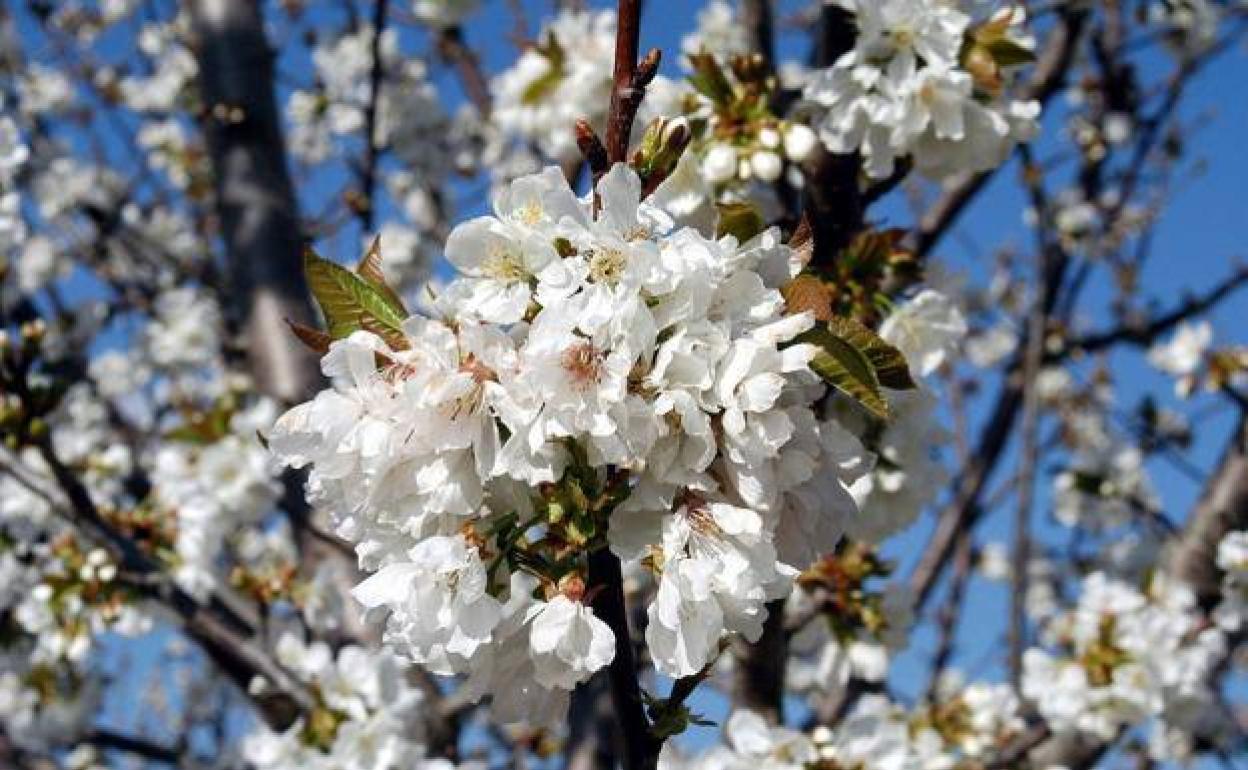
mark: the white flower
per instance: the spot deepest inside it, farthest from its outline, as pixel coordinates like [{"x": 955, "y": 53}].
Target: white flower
[
  {"x": 900, "y": 92},
  {"x": 1184, "y": 353},
  {"x": 766, "y": 165},
  {"x": 566, "y": 77},
  {"x": 186, "y": 329},
  {"x": 719, "y": 32},
  {"x": 926, "y": 329},
  {"x": 441, "y": 613},
  {"x": 568, "y": 643},
  {"x": 719, "y": 570}
]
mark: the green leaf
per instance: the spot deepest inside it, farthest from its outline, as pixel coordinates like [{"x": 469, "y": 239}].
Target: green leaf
[
  {"x": 370, "y": 270},
  {"x": 1008, "y": 53},
  {"x": 543, "y": 86},
  {"x": 709, "y": 80},
  {"x": 891, "y": 369},
  {"x": 845, "y": 368},
  {"x": 739, "y": 219},
  {"x": 350, "y": 303}
]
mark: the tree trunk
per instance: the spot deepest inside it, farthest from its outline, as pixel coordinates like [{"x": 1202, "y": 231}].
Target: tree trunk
[{"x": 255, "y": 200}]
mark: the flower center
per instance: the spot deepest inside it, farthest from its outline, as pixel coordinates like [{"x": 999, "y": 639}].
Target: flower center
[
  {"x": 583, "y": 362},
  {"x": 530, "y": 213},
  {"x": 903, "y": 36},
  {"x": 505, "y": 266},
  {"x": 606, "y": 266}
]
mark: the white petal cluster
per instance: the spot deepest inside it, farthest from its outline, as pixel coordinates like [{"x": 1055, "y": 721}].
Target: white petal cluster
[
  {"x": 1127, "y": 657},
  {"x": 960, "y": 730},
  {"x": 565, "y": 77},
  {"x": 368, "y": 716},
  {"x": 611, "y": 346},
  {"x": 1232, "y": 611},
  {"x": 173, "y": 68},
  {"x": 902, "y": 92},
  {"x": 926, "y": 329},
  {"x": 410, "y": 119},
  {"x": 13, "y": 155},
  {"x": 719, "y": 31},
  {"x": 211, "y": 490},
  {"x": 1183, "y": 354},
  {"x": 750, "y": 744}
]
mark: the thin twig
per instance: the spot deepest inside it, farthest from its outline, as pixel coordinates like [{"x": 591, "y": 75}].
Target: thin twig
[
  {"x": 367, "y": 210},
  {"x": 454, "y": 50}
]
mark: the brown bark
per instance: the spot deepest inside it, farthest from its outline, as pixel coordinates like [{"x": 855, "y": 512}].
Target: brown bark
[{"x": 255, "y": 199}]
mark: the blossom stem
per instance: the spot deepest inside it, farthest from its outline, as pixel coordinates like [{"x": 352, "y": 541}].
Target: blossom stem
[
  {"x": 606, "y": 581},
  {"x": 627, "y": 43}
]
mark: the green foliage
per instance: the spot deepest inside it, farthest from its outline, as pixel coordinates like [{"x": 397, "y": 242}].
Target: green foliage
[
  {"x": 739, "y": 219},
  {"x": 709, "y": 80},
  {"x": 351, "y": 301},
  {"x": 857, "y": 361},
  {"x": 543, "y": 86}
]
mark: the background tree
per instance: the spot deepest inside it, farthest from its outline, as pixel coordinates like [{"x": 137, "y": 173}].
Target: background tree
[{"x": 748, "y": 451}]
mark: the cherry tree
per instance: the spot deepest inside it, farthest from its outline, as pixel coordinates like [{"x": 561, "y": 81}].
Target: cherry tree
[{"x": 446, "y": 383}]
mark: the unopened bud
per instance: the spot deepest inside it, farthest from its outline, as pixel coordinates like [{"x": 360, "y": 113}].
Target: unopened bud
[
  {"x": 572, "y": 586},
  {"x": 33, "y": 331},
  {"x": 676, "y": 135},
  {"x": 766, "y": 165},
  {"x": 720, "y": 163},
  {"x": 799, "y": 142}
]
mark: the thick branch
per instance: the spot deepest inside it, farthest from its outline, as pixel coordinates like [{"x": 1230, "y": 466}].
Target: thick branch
[
  {"x": 759, "y": 22},
  {"x": 1222, "y": 508},
  {"x": 255, "y": 200},
  {"x": 372, "y": 151},
  {"x": 832, "y": 202},
  {"x": 606, "y": 581},
  {"x": 761, "y": 667}
]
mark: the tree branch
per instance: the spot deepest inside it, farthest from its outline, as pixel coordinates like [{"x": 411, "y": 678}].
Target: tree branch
[
  {"x": 219, "y": 629},
  {"x": 138, "y": 746},
  {"x": 367, "y": 210},
  {"x": 255, "y": 200},
  {"x": 1137, "y": 331},
  {"x": 606, "y": 581},
  {"x": 759, "y": 22},
  {"x": 629, "y": 80},
  {"x": 454, "y": 50}
]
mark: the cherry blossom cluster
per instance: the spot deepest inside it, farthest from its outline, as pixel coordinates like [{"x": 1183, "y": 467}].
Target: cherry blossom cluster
[
  {"x": 367, "y": 713},
  {"x": 586, "y": 371},
  {"x": 1232, "y": 611},
  {"x": 1125, "y": 656},
  {"x": 958, "y": 730},
  {"x": 563, "y": 77},
  {"x": 13, "y": 155},
  {"x": 924, "y": 81}
]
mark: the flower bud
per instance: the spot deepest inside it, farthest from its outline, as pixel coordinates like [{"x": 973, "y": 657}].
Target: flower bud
[
  {"x": 769, "y": 138},
  {"x": 720, "y": 163},
  {"x": 766, "y": 165},
  {"x": 799, "y": 142}
]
